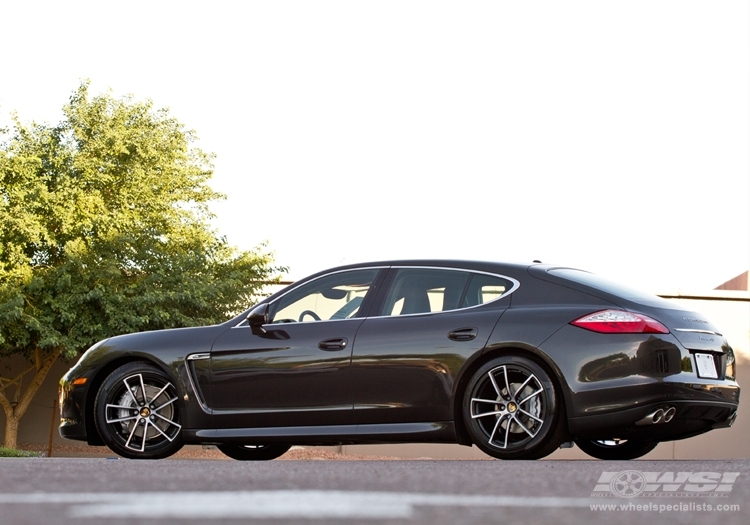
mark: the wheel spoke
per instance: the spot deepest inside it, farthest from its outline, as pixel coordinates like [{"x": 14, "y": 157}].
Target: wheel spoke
[
  {"x": 531, "y": 416},
  {"x": 143, "y": 391},
  {"x": 483, "y": 414},
  {"x": 507, "y": 383},
  {"x": 165, "y": 404},
  {"x": 127, "y": 387},
  {"x": 507, "y": 431},
  {"x": 530, "y": 396},
  {"x": 124, "y": 407},
  {"x": 494, "y": 430},
  {"x": 161, "y": 432},
  {"x": 145, "y": 434},
  {"x": 160, "y": 393},
  {"x": 494, "y": 383},
  {"x": 119, "y": 420},
  {"x": 173, "y": 423},
  {"x": 523, "y": 385},
  {"x": 520, "y": 424},
  {"x": 132, "y": 431}
]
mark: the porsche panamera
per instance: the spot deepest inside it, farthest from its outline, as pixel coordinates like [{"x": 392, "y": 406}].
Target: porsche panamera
[{"x": 516, "y": 359}]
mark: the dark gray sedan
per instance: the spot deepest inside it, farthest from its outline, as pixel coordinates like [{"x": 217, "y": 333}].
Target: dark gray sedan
[{"x": 515, "y": 359}]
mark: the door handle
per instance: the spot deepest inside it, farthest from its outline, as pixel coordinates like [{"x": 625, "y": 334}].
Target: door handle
[
  {"x": 463, "y": 334},
  {"x": 335, "y": 343}
]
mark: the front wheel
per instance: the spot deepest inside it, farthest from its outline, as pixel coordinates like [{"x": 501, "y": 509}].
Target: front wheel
[
  {"x": 511, "y": 409},
  {"x": 614, "y": 449},
  {"x": 137, "y": 412},
  {"x": 254, "y": 452}
]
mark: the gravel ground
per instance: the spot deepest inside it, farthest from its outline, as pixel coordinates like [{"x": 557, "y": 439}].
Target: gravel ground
[{"x": 198, "y": 452}]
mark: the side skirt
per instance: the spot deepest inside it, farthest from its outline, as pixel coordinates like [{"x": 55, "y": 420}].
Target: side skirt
[{"x": 433, "y": 432}]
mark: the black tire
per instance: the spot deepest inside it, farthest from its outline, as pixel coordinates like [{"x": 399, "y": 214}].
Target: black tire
[
  {"x": 138, "y": 413},
  {"x": 254, "y": 452},
  {"x": 512, "y": 410},
  {"x": 616, "y": 449}
]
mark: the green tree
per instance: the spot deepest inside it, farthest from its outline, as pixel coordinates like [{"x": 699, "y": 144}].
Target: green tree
[{"x": 105, "y": 229}]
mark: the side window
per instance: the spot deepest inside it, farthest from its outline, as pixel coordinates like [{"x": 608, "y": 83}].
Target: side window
[
  {"x": 484, "y": 288},
  {"x": 336, "y": 296},
  {"x": 425, "y": 290}
]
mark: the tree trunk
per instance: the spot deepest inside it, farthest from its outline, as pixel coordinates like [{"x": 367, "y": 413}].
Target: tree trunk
[
  {"x": 11, "y": 431},
  {"x": 13, "y": 414}
]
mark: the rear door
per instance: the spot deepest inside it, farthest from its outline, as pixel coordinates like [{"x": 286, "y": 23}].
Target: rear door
[{"x": 425, "y": 324}]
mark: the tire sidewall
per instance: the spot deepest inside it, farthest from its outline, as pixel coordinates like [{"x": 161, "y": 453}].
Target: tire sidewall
[
  {"x": 265, "y": 453},
  {"x": 538, "y": 445},
  {"x": 107, "y": 394},
  {"x": 625, "y": 451}
]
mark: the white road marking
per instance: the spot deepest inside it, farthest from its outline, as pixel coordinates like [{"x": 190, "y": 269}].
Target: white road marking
[{"x": 274, "y": 503}]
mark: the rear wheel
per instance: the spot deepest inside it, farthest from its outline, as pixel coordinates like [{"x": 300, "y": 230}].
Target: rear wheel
[
  {"x": 137, "y": 413},
  {"x": 614, "y": 449},
  {"x": 254, "y": 452},
  {"x": 511, "y": 409}
]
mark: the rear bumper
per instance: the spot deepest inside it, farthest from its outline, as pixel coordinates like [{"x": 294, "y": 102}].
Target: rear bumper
[{"x": 698, "y": 408}]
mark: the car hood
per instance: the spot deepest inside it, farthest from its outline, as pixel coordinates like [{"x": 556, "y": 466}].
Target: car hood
[{"x": 172, "y": 341}]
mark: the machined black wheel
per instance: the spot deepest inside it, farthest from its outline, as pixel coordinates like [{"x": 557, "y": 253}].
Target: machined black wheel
[
  {"x": 137, "y": 412},
  {"x": 511, "y": 409},
  {"x": 616, "y": 448},
  {"x": 254, "y": 452}
]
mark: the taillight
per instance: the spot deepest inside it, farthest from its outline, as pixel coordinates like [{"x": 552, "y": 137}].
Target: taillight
[{"x": 620, "y": 322}]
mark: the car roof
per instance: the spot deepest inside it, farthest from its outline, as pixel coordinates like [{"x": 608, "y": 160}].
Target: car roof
[{"x": 440, "y": 263}]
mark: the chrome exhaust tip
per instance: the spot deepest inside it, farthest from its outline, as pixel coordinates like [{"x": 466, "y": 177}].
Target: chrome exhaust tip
[
  {"x": 660, "y": 415},
  {"x": 652, "y": 419}
]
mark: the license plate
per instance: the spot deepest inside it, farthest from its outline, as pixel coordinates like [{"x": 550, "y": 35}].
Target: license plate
[{"x": 706, "y": 366}]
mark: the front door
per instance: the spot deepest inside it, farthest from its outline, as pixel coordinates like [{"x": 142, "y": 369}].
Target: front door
[{"x": 298, "y": 372}]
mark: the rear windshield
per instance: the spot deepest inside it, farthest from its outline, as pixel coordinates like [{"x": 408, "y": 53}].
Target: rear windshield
[{"x": 611, "y": 287}]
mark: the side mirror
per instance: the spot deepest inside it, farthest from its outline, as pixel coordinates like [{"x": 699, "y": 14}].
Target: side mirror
[{"x": 257, "y": 317}]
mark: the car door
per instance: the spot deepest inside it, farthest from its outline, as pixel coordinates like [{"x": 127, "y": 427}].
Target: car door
[
  {"x": 297, "y": 370},
  {"x": 426, "y": 323}
]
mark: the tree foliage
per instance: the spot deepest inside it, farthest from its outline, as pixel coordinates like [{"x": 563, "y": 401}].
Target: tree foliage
[{"x": 105, "y": 229}]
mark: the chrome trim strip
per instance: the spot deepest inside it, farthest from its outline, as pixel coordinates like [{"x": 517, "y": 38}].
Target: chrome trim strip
[
  {"x": 195, "y": 357},
  {"x": 432, "y": 428},
  {"x": 229, "y": 411},
  {"x": 292, "y": 287},
  {"x": 697, "y": 331},
  {"x": 516, "y": 286},
  {"x": 277, "y": 326},
  {"x": 196, "y": 392}
]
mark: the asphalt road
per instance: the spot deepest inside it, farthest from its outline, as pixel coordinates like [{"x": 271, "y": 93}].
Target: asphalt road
[{"x": 84, "y": 491}]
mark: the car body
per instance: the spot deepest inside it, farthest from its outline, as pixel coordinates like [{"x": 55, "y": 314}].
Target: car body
[{"x": 514, "y": 358}]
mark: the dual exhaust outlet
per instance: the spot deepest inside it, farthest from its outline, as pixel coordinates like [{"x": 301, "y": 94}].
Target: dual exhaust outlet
[{"x": 660, "y": 415}]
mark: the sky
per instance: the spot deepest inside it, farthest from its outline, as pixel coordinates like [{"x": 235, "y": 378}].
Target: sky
[{"x": 610, "y": 136}]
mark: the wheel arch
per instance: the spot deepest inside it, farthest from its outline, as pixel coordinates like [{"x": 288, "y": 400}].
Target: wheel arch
[{"x": 491, "y": 352}]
